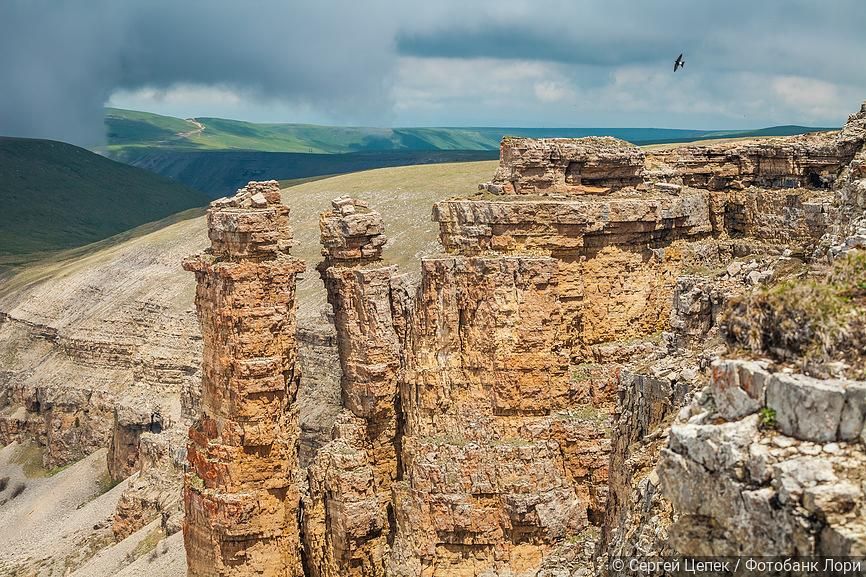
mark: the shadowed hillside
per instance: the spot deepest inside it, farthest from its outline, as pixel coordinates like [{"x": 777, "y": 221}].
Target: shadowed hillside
[{"x": 56, "y": 196}]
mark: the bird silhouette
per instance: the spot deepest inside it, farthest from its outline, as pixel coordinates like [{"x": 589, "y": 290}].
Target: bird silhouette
[{"x": 679, "y": 63}]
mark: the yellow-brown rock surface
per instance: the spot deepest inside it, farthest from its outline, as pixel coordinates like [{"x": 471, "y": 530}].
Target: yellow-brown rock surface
[
  {"x": 477, "y": 435},
  {"x": 345, "y": 516},
  {"x": 495, "y": 456},
  {"x": 566, "y": 166},
  {"x": 242, "y": 493}
]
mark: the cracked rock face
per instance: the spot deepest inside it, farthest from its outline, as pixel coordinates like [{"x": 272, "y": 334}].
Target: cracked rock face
[
  {"x": 740, "y": 487},
  {"x": 496, "y": 470},
  {"x": 549, "y": 392},
  {"x": 346, "y": 515},
  {"x": 242, "y": 494},
  {"x": 763, "y": 460}
]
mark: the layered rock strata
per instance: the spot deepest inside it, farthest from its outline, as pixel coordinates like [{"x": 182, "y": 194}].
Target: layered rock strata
[
  {"x": 617, "y": 256},
  {"x": 242, "y": 493},
  {"x": 514, "y": 347},
  {"x": 761, "y": 460},
  {"x": 673, "y": 227},
  {"x": 524, "y": 401},
  {"x": 848, "y": 231},
  {"x": 346, "y": 513},
  {"x": 814, "y": 160},
  {"x": 565, "y": 166},
  {"x": 502, "y": 449}
]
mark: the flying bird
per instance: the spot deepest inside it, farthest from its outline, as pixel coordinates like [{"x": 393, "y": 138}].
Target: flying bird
[{"x": 679, "y": 63}]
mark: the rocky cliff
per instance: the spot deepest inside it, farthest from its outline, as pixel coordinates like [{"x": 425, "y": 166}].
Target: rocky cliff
[
  {"x": 561, "y": 386},
  {"x": 746, "y": 437},
  {"x": 242, "y": 495},
  {"x": 609, "y": 352},
  {"x": 102, "y": 350}
]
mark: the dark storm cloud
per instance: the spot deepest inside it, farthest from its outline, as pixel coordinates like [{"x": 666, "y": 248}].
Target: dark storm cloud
[
  {"x": 822, "y": 39},
  {"x": 61, "y": 59},
  {"x": 516, "y": 41}
]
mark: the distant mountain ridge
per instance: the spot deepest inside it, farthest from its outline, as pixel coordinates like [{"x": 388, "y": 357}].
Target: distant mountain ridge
[
  {"x": 128, "y": 129},
  {"x": 217, "y": 156}
]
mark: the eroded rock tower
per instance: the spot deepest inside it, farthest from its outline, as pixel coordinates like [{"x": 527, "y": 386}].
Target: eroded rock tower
[{"x": 242, "y": 491}]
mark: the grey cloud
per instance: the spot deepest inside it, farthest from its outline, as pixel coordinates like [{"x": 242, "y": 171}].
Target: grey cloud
[
  {"x": 61, "y": 59},
  {"x": 513, "y": 41},
  {"x": 821, "y": 39},
  {"x": 51, "y": 65}
]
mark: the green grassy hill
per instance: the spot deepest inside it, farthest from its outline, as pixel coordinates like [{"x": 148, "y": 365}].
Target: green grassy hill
[
  {"x": 216, "y": 156},
  {"x": 133, "y": 128},
  {"x": 129, "y": 129},
  {"x": 55, "y": 196}
]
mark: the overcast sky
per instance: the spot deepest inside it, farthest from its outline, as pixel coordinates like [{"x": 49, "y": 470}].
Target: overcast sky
[{"x": 749, "y": 63}]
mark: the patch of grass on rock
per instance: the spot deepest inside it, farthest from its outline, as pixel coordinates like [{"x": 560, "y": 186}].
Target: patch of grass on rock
[
  {"x": 29, "y": 457},
  {"x": 146, "y": 545},
  {"x": 808, "y": 320}
]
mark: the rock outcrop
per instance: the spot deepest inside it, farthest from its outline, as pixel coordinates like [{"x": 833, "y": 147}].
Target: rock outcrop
[
  {"x": 795, "y": 483},
  {"x": 566, "y": 166},
  {"x": 96, "y": 358},
  {"x": 548, "y": 394},
  {"x": 242, "y": 493},
  {"x": 750, "y": 456},
  {"x": 503, "y": 452},
  {"x": 814, "y": 160},
  {"x": 110, "y": 337},
  {"x": 346, "y": 514}
]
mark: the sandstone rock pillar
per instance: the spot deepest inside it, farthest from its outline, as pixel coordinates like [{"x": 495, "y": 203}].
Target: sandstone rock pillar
[
  {"x": 359, "y": 289},
  {"x": 346, "y": 522},
  {"x": 241, "y": 493}
]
